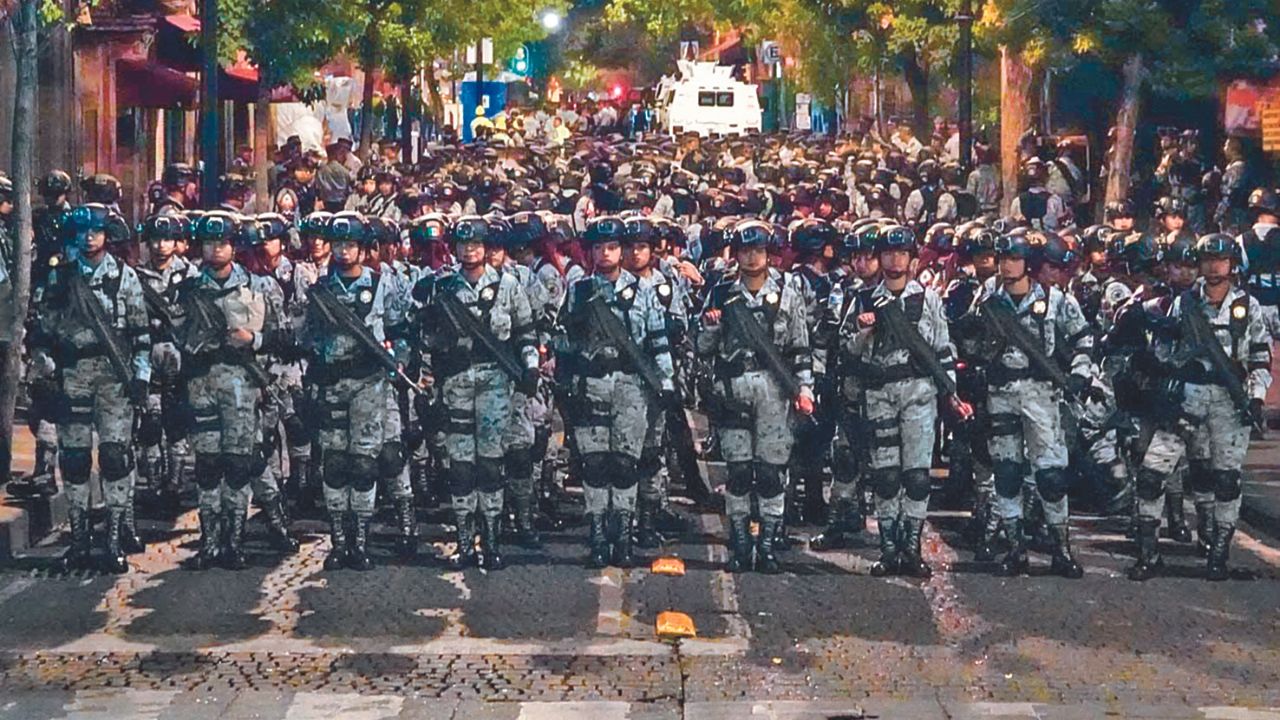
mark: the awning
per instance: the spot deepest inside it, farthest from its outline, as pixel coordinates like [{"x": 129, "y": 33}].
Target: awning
[
  {"x": 176, "y": 45},
  {"x": 146, "y": 83}
]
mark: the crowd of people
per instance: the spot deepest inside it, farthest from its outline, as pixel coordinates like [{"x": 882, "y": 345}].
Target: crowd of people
[{"x": 846, "y": 313}]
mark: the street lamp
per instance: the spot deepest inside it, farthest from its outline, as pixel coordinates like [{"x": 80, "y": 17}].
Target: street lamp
[{"x": 551, "y": 20}]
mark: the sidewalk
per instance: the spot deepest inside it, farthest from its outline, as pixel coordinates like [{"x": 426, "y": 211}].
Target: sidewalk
[{"x": 24, "y": 521}]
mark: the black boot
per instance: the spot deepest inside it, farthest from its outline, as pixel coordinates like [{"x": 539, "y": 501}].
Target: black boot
[
  {"x": 233, "y": 550},
  {"x": 115, "y": 561},
  {"x": 598, "y": 541},
  {"x": 337, "y": 557},
  {"x": 490, "y": 542},
  {"x": 889, "y": 557},
  {"x": 1219, "y": 551},
  {"x": 358, "y": 548},
  {"x": 1015, "y": 561},
  {"x": 130, "y": 543},
  {"x": 210, "y": 536},
  {"x": 988, "y": 535},
  {"x": 465, "y": 554},
  {"x": 646, "y": 535},
  {"x": 1178, "y": 530},
  {"x": 278, "y": 526},
  {"x": 1204, "y": 528},
  {"x": 912, "y": 563},
  {"x": 526, "y": 527},
  {"x": 1149, "y": 560},
  {"x": 1064, "y": 561},
  {"x": 622, "y": 529},
  {"x": 835, "y": 537},
  {"x": 667, "y": 522},
  {"x": 78, "y": 555},
  {"x": 407, "y": 523},
  {"x": 766, "y": 560},
  {"x": 740, "y": 545}
]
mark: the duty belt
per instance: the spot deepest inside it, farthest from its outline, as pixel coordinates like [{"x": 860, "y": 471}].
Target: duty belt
[
  {"x": 599, "y": 367},
  {"x": 878, "y": 377},
  {"x": 998, "y": 375},
  {"x": 739, "y": 366},
  {"x": 1193, "y": 373},
  {"x": 67, "y": 354},
  {"x": 199, "y": 364},
  {"x": 330, "y": 372}
]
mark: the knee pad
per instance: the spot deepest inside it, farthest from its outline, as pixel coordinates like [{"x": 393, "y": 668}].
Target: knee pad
[
  {"x": 741, "y": 476},
  {"x": 364, "y": 472},
  {"x": 462, "y": 478},
  {"x": 337, "y": 468},
  {"x": 1200, "y": 476},
  {"x": 76, "y": 465},
  {"x": 488, "y": 475},
  {"x": 260, "y": 458},
  {"x": 916, "y": 484},
  {"x": 541, "y": 437},
  {"x": 769, "y": 480},
  {"x": 1008, "y": 476},
  {"x": 622, "y": 471},
  {"x": 886, "y": 482},
  {"x": 650, "y": 461},
  {"x": 1227, "y": 485},
  {"x": 595, "y": 470},
  {"x": 239, "y": 470},
  {"x": 150, "y": 429},
  {"x": 518, "y": 462},
  {"x": 390, "y": 459},
  {"x": 114, "y": 461},
  {"x": 208, "y": 470},
  {"x": 296, "y": 430},
  {"x": 1150, "y": 483},
  {"x": 1052, "y": 483}
]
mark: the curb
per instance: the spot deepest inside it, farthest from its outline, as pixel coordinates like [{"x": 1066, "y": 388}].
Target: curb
[{"x": 25, "y": 521}]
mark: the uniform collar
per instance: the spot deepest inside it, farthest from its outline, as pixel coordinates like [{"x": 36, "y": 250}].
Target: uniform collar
[
  {"x": 913, "y": 287},
  {"x": 772, "y": 284},
  {"x": 239, "y": 276}
]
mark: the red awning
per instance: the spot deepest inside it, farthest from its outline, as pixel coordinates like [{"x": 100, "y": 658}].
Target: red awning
[
  {"x": 146, "y": 83},
  {"x": 175, "y": 43}
]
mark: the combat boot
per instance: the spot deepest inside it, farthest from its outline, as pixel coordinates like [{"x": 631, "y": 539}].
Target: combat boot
[
  {"x": 1219, "y": 551},
  {"x": 171, "y": 493},
  {"x": 1064, "y": 561},
  {"x": 78, "y": 554},
  {"x": 465, "y": 554},
  {"x": 130, "y": 543},
  {"x": 646, "y": 535},
  {"x": 43, "y": 483},
  {"x": 766, "y": 561},
  {"x": 912, "y": 563},
  {"x": 740, "y": 546},
  {"x": 210, "y": 532},
  {"x": 337, "y": 557},
  {"x": 115, "y": 561},
  {"x": 622, "y": 555},
  {"x": 889, "y": 558},
  {"x": 989, "y": 535},
  {"x": 1178, "y": 530},
  {"x": 1149, "y": 561},
  {"x": 490, "y": 540},
  {"x": 598, "y": 542},
  {"x": 1204, "y": 527},
  {"x": 358, "y": 549},
  {"x": 667, "y": 522},
  {"x": 233, "y": 549},
  {"x": 278, "y": 526},
  {"x": 835, "y": 537},
  {"x": 407, "y": 523},
  {"x": 526, "y": 527},
  {"x": 1015, "y": 561},
  {"x": 295, "y": 484}
]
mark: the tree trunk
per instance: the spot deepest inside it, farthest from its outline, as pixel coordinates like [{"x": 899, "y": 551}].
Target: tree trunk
[
  {"x": 366, "y": 107},
  {"x": 408, "y": 108},
  {"x": 917, "y": 77},
  {"x": 23, "y": 148},
  {"x": 437, "y": 103},
  {"x": 262, "y": 133},
  {"x": 1015, "y": 118},
  {"x": 1126, "y": 124}
]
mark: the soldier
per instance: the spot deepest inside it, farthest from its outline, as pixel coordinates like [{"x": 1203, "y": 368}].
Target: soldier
[
  {"x": 470, "y": 371},
  {"x": 348, "y": 314},
  {"x": 92, "y": 322},
  {"x": 1261, "y": 243},
  {"x": 1026, "y": 429},
  {"x": 1209, "y": 412},
  {"x": 614, "y": 337},
  {"x": 229, "y": 317},
  {"x": 754, "y": 417},
  {"x": 179, "y": 184},
  {"x": 1035, "y": 205},
  {"x": 48, "y": 221},
  {"x": 900, "y": 396}
]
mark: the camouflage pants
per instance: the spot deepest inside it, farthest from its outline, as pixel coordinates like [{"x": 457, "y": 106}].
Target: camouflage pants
[
  {"x": 352, "y": 414},
  {"x": 393, "y": 469},
  {"x": 1027, "y": 440},
  {"x": 528, "y": 414},
  {"x": 756, "y": 436},
  {"x": 1214, "y": 436},
  {"x": 226, "y": 435},
  {"x": 478, "y": 404},
  {"x": 95, "y": 401},
  {"x": 609, "y": 427},
  {"x": 652, "y": 465},
  {"x": 901, "y": 419}
]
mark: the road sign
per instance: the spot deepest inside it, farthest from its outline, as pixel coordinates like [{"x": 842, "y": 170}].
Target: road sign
[
  {"x": 486, "y": 52},
  {"x": 689, "y": 50},
  {"x": 1270, "y": 122},
  {"x": 770, "y": 52}
]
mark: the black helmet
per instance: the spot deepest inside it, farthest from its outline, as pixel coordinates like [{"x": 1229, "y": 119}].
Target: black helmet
[
  {"x": 97, "y": 216},
  {"x": 1182, "y": 251},
  {"x": 527, "y": 228},
  {"x": 217, "y": 226},
  {"x": 1264, "y": 200},
  {"x": 859, "y": 239},
  {"x": 315, "y": 223},
  {"x": 164, "y": 227},
  {"x": 1217, "y": 245},
  {"x": 272, "y": 226},
  {"x": 101, "y": 188},
  {"x": 55, "y": 183},
  {"x": 1138, "y": 250},
  {"x": 427, "y": 229},
  {"x": 754, "y": 233},
  {"x": 1056, "y": 251},
  {"x": 927, "y": 171},
  {"x": 940, "y": 238},
  {"x": 384, "y": 231},
  {"x": 896, "y": 237},
  {"x": 177, "y": 175},
  {"x": 1019, "y": 243},
  {"x": 607, "y": 228},
  {"x": 670, "y": 231},
  {"x": 812, "y": 234},
  {"x": 1172, "y": 206},
  {"x": 1117, "y": 209},
  {"x": 979, "y": 239},
  {"x": 233, "y": 186},
  {"x": 1094, "y": 238},
  {"x": 470, "y": 229},
  {"x": 499, "y": 231},
  {"x": 6, "y": 187},
  {"x": 249, "y": 234},
  {"x": 640, "y": 230},
  {"x": 348, "y": 226}
]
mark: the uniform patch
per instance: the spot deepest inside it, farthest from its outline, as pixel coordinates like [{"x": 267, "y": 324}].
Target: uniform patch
[
  {"x": 1239, "y": 312},
  {"x": 1039, "y": 307},
  {"x": 487, "y": 294},
  {"x": 627, "y": 293},
  {"x": 771, "y": 298},
  {"x": 664, "y": 290},
  {"x": 366, "y": 297}
]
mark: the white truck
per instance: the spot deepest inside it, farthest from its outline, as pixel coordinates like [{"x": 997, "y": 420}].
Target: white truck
[{"x": 705, "y": 98}]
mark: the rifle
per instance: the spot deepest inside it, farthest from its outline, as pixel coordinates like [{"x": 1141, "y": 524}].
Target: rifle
[
  {"x": 599, "y": 315},
  {"x": 157, "y": 306},
  {"x": 341, "y": 317},
  {"x": 739, "y": 317},
  {"x": 1204, "y": 343},
  {"x": 1002, "y": 320},
  {"x": 210, "y": 319},
  {"x": 90, "y": 310},
  {"x": 466, "y": 323},
  {"x": 896, "y": 325}
]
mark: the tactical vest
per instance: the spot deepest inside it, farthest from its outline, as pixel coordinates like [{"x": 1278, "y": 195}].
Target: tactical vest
[
  {"x": 1034, "y": 207},
  {"x": 1263, "y": 253}
]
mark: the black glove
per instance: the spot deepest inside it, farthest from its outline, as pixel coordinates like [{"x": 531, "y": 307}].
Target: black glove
[
  {"x": 528, "y": 384},
  {"x": 1256, "y": 415},
  {"x": 1077, "y": 384},
  {"x": 138, "y": 390}
]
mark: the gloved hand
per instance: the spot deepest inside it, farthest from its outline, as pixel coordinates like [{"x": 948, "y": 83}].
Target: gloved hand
[
  {"x": 528, "y": 384},
  {"x": 1256, "y": 414},
  {"x": 137, "y": 391},
  {"x": 1077, "y": 384}
]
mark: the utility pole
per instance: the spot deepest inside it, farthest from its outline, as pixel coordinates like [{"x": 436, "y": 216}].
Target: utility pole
[
  {"x": 210, "y": 106},
  {"x": 966, "y": 84}
]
